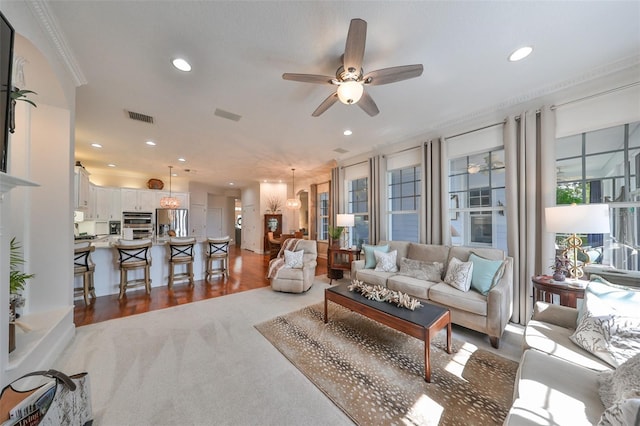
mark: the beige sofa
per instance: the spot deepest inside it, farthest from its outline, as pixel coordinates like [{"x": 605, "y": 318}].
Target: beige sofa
[
  {"x": 487, "y": 314},
  {"x": 557, "y": 381}
]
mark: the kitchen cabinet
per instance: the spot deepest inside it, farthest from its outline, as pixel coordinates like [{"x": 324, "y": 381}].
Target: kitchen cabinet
[
  {"x": 138, "y": 200},
  {"x": 81, "y": 188},
  {"x": 107, "y": 206},
  {"x": 90, "y": 212}
]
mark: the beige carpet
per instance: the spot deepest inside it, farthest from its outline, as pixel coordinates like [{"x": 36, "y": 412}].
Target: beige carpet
[{"x": 375, "y": 374}]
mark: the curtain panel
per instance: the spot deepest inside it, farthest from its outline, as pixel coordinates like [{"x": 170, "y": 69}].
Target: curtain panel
[
  {"x": 375, "y": 190},
  {"x": 528, "y": 145},
  {"x": 433, "y": 229},
  {"x": 313, "y": 212},
  {"x": 334, "y": 195}
]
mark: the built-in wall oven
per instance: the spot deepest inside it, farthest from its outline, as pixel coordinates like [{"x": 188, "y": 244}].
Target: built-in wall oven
[{"x": 137, "y": 224}]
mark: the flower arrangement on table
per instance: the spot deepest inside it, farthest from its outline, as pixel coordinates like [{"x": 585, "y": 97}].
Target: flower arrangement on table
[{"x": 383, "y": 294}]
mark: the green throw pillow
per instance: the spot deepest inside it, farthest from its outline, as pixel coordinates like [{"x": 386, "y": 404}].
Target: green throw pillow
[
  {"x": 369, "y": 257},
  {"x": 485, "y": 273}
]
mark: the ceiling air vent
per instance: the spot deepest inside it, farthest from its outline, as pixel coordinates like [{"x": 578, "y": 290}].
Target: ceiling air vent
[
  {"x": 226, "y": 114},
  {"x": 340, "y": 150},
  {"x": 140, "y": 117}
]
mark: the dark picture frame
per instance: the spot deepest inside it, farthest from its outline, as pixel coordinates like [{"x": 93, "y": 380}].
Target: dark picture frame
[{"x": 7, "y": 35}]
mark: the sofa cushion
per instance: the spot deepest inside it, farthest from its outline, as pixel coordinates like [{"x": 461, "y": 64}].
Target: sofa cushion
[
  {"x": 610, "y": 325},
  {"x": 372, "y": 277},
  {"x": 428, "y": 253},
  {"x": 470, "y": 301},
  {"x": 290, "y": 273},
  {"x": 369, "y": 257},
  {"x": 386, "y": 262},
  {"x": 568, "y": 392},
  {"x": 459, "y": 274},
  {"x": 486, "y": 273},
  {"x": 554, "y": 340},
  {"x": 429, "y": 271},
  {"x": 412, "y": 286}
]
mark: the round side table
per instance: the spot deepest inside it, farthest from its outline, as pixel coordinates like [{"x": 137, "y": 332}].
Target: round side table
[{"x": 545, "y": 287}]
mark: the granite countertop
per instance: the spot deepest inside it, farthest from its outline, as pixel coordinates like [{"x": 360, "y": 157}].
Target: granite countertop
[{"x": 107, "y": 241}]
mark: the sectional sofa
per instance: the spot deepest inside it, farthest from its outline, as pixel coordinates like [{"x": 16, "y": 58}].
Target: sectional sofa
[
  {"x": 560, "y": 382},
  {"x": 487, "y": 313}
]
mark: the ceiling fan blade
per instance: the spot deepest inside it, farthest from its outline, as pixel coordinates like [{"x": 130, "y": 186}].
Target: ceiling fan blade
[
  {"x": 393, "y": 74},
  {"x": 368, "y": 105},
  {"x": 325, "y": 104},
  {"x": 308, "y": 78},
  {"x": 354, "y": 49}
]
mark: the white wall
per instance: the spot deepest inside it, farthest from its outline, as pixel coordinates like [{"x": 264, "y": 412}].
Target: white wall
[{"x": 252, "y": 233}]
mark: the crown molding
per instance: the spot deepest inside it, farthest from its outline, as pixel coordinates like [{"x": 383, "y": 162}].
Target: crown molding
[{"x": 49, "y": 25}]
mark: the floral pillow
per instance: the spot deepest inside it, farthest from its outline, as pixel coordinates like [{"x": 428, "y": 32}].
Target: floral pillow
[
  {"x": 386, "y": 262},
  {"x": 428, "y": 271},
  {"x": 293, "y": 259},
  {"x": 609, "y": 326},
  {"x": 459, "y": 274}
]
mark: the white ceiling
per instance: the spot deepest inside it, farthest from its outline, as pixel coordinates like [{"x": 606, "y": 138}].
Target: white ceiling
[{"x": 239, "y": 50}]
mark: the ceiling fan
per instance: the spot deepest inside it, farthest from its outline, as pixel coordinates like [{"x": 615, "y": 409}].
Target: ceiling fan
[{"x": 350, "y": 78}]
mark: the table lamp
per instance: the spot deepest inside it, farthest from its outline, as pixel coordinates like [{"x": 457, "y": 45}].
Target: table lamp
[
  {"x": 577, "y": 219},
  {"x": 346, "y": 221}
]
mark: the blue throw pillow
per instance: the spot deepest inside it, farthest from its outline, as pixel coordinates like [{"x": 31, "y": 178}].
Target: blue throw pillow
[
  {"x": 485, "y": 273},
  {"x": 369, "y": 257}
]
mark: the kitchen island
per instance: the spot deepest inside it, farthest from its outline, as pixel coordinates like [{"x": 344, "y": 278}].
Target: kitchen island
[{"x": 107, "y": 272}]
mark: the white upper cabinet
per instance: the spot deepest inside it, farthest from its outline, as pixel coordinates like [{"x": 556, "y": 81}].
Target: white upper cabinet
[
  {"x": 82, "y": 189},
  {"x": 107, "y": 204}
]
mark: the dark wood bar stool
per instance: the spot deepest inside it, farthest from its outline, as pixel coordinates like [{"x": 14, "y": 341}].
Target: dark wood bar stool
[
  {"x": 218, "y": 252},
  {"x": 181, "y": 253},
  {"x": 84, "y": 266},
  {"x": 134, "y": 254}
]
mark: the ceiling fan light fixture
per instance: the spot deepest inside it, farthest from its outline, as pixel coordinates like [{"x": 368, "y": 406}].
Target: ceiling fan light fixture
[{"x": 350, "y": 92}]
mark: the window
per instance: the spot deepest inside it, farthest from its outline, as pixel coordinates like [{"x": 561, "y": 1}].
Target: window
[
  {"x": 323, "y": 216},
  {"x": 602, "y": 167},
  {"x": 477, "y": 199},
  {"x": 404, "y": 187},
  {"x": 357, "y": 200}
]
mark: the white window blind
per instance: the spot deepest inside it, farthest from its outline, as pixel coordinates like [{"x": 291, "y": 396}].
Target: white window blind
[
  {"x": 356, "y": 171},
  {"x": 403, "y": 159},
  {"x": 607, "y": 110},
  {"x": 479, "y": 141}
]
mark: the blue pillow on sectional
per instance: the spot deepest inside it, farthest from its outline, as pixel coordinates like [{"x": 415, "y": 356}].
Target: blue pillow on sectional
[
  {"x": 369, "y": 257},
  {"x": 485, "y": 273}
]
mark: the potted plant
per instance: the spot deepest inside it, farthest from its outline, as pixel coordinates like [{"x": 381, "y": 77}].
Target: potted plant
[
  {"x": 335, "y": 232},
  {"x": 18, "y": 95},
  {"x": 17, "y": 281},
  {"x": 561, "y": 268}
]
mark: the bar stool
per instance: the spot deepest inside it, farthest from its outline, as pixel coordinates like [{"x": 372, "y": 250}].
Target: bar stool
[
  {"x": 181, "y": 253},
  {"x": 83, "y": 265},
  {"x": 134, "y": 254},
  {"x": 218, "y": 251}
]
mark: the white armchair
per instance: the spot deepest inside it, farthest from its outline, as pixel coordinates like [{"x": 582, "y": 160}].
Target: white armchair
[{"x": 296, "y": 280}]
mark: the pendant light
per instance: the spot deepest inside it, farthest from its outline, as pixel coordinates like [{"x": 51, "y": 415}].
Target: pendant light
[
  {"x": 169, "y": 202},
  {"x": 293, "y": 203}
]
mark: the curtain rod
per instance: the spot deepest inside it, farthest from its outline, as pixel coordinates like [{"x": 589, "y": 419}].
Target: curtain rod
[
  {"x": 476, "y": 130},
  {"x": 354, "y": 164},
  {"x": 595, "y": 95}
]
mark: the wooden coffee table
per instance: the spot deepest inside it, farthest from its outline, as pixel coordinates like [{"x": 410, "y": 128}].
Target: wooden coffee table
[{"x": 423, "y": 323}]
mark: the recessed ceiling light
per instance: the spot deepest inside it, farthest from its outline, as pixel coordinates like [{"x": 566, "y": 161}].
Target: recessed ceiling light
[
  {"x": 111, "y": 165},
  {"x": 150, "y": 143},
  {"x": 231, "y": 183},
  {"x": 181, "y": 64},
  {"x": 347, "y": 133},
  {"x": 96, "y": 145},
  {"x": 181, "y": 159},
  {"x": 520, "y": 53}
]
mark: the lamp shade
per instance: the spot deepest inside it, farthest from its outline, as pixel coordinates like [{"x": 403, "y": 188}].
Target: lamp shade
[
  {"x": 578, "y": 219},
  {"x": 345, "y": 220},
  {"x": 350, "y": 92}
]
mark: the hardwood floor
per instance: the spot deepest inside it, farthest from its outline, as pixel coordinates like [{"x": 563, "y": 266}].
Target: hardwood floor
[{"x": 247, "y": 271}]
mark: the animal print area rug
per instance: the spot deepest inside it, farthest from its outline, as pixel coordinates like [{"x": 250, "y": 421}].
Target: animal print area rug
[{"x": 376, "y": 374}]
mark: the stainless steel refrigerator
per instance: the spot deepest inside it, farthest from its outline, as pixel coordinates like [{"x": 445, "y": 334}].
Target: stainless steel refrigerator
[{"x": 176, "y": 220}]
